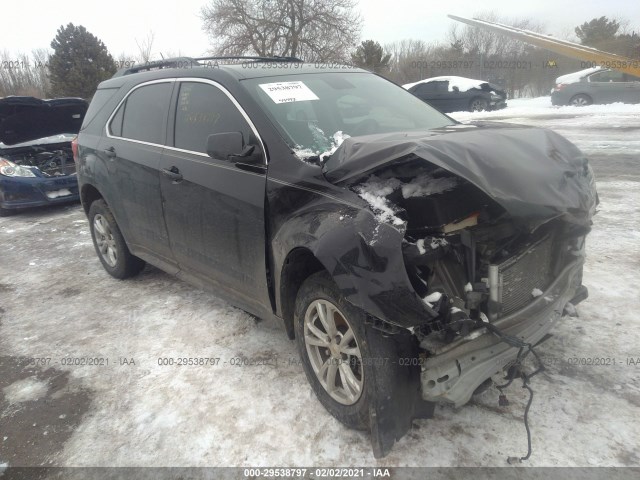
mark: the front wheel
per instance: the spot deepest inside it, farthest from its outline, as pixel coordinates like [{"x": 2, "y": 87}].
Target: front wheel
[
  {"x": 331, "y": 341},
  {"x": 109, "y": 243},
  {"x": 478, "y": 105}
]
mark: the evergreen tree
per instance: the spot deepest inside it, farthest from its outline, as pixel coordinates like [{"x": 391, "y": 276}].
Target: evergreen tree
[
  {"x": 370, "y": 56},
  {"x": 597, "y": 30},
  {"x": 79, "y": 63}
]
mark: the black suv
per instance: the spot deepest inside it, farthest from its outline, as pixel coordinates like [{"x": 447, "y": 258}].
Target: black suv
[{"x": 402, "y": 250}]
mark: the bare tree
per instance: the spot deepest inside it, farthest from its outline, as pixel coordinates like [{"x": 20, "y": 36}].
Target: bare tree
[
  {"x": 316, "y": 30},
  {"x": 487, "y": 42},
  {"x": 409, "y": 58},
  {"x": 145, "y": 47},
  {"x": 24, "y": 74},
  {"x": 511, "y": 63}
]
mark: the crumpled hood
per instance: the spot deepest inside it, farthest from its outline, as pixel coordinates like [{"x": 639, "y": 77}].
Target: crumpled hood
[
  {"x": 23, "y": 119},
  {"x": 531, "y": 172}
]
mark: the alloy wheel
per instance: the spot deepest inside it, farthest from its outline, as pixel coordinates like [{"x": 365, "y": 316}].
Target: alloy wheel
[
  {"x": 105, "y": 241},
  {"x": 579, "y": 101},
  {"x": 333, "y": 352},
  {"x": 477, "y": 106}
]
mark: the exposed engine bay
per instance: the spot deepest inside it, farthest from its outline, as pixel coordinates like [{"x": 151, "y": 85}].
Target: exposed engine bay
[
  {"x": 52, "y": 160},
  {"x": 465, "y": 255}
]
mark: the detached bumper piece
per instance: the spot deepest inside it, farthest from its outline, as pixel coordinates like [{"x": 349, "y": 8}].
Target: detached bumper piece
[{"x": 458, "y": 369}]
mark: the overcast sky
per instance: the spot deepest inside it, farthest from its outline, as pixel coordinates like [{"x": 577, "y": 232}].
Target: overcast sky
[{"x": 30, "y": 24}]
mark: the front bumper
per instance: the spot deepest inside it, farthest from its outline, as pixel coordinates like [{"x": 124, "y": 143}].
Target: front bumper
[
  {"x": 458, "y": 369},
  {"x": 24, "y": 192}
]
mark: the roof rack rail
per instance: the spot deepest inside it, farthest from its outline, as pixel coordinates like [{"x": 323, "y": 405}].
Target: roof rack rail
[
  {"x": 185, "y": 62},
  {"x": 275, "y": 58},
  {"x": 180, "y": 62}
]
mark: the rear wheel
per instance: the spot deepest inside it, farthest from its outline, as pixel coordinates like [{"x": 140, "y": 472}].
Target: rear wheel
[
  {"x": 478, "y": 105},
  {"x": 580, "y": 100},
  {"x": 331, "y": 340},
  {"x": 109, "y": 243}
]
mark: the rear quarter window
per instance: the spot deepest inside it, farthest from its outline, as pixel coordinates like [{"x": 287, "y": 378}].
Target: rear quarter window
[{"x": 99, "y": 100}]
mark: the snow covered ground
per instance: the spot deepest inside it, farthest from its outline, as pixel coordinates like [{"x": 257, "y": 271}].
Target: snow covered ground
[
  {"x": 56, "y": 302},
  {"x": 596, "y": 129}
]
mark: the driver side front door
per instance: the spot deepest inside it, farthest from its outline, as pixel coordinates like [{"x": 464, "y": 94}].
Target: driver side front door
[{"x": 213, "y": 207}]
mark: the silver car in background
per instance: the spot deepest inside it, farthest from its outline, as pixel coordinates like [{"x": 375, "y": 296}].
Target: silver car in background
[{"x": 595, "y": 86}]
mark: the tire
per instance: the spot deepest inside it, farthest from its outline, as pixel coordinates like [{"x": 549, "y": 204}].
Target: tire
[
  {"x": 109, "y": 243},
  {"x": 348, "y": 404},
  {"x": 580, "y": 100},
  {"x": 478, "y": 104}
]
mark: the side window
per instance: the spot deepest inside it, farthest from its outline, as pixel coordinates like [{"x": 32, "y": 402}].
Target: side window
[
  {"x": 143, "y": 115},
  {"x": 607, "y": 76},
  {"x": 441, "y": 87},
  {"x": 116, "y": 123},
  {"x": 425, "y": 88},
  {"x": 202, "y": 110}
]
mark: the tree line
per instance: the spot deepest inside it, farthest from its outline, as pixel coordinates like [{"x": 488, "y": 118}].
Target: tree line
[{"x": 326, "y": 31}]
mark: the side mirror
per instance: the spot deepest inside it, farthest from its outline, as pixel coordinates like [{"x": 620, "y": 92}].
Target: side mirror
[
  {"x": 221, "y": 146},
  {"x": 456, "y": 89}
]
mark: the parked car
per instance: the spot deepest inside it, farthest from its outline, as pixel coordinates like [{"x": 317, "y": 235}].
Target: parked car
[
  {"x": 456, "y": 94},
  {"x": 36, "y": 161},
  {"x": 396, "y": 245},
  {"x": 595, "y": 85}
]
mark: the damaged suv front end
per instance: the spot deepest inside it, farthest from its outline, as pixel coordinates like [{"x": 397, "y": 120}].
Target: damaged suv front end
[
  {"x": 494, "y": 219},
  {"x": 449, "y": 237}
]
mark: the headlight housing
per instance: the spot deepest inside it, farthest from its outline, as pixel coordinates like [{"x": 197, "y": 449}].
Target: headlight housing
[{"x": 10, "y": 169}]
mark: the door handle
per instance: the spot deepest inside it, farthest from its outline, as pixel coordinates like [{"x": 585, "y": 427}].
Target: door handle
[
  {"x": 173, "y": 173},
  {"x": 110, "y": 152}
]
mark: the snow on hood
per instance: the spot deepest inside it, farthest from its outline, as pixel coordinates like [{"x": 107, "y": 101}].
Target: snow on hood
[
  {"x": 463, "y": 84},
  {"x": 375, "y": 190},
  {"x": 530, "y": 172},
  {"x": 575, "y": 77},
  {"x": 23, "y": 119},
  {"x": 336, "y": 140}
]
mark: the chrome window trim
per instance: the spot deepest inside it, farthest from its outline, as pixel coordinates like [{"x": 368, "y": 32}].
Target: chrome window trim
[{"x": 186, "y": 79}]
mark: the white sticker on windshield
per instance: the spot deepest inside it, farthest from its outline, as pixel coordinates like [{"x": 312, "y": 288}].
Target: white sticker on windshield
[{"x": 284, "y": 92}]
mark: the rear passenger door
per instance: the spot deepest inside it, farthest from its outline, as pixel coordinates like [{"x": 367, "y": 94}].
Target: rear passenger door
[
  {"x": 213, "y": 207},
  {"x": 607, "y": 86},
  {"x": 133, "y": 147}
]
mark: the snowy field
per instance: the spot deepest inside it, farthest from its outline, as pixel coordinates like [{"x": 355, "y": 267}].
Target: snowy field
[{"x": 56, "y": 302}]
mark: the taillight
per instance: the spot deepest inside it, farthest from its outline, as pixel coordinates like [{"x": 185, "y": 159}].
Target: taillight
[
  {"x": 559, "y": 87},
  {"x": 74, "y": 149}
]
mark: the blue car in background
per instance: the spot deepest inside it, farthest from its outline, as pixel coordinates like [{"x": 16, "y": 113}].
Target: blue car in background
[{"x": 36, "y": 154}]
